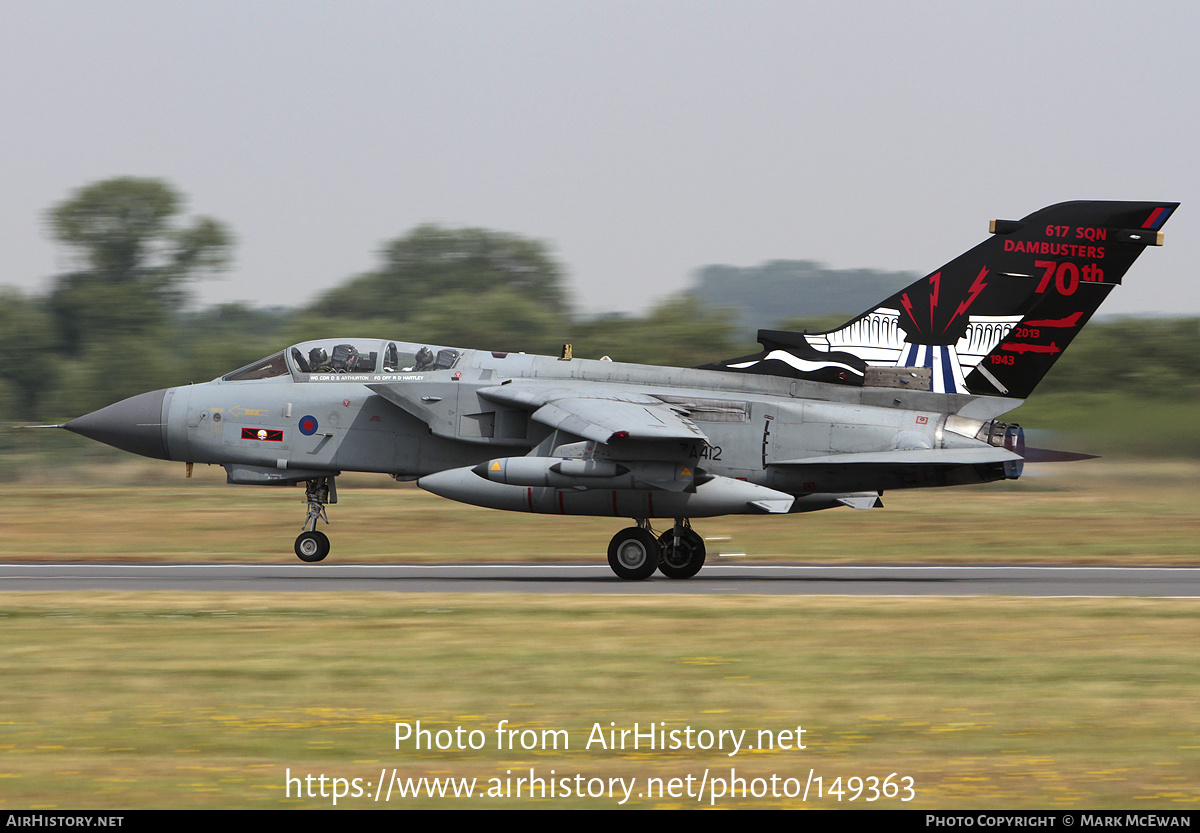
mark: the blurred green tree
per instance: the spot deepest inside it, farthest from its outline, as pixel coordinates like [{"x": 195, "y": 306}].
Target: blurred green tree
[
  {"x": 29, "y": 368},
  {"x": 680, "y": 331},
  {"x": 499, "y": 318},
  {"x": 133, "y": 258},
  {"x": 432, "y": 261}
]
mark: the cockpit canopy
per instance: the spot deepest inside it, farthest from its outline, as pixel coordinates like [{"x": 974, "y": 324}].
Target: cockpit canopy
[{"x": 348, "y": 356}]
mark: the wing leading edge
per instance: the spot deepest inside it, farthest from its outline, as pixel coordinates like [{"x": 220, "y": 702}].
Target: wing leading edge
[{"x": 600, "y": 416}]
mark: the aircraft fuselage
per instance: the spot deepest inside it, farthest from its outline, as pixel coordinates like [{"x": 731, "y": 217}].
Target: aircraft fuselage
[
  {"x": 904, "y": 395},
  {"x": 293, "y": 427}
]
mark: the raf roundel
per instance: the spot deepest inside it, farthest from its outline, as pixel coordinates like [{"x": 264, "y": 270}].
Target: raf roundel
[{"x": 308, "y": 425}]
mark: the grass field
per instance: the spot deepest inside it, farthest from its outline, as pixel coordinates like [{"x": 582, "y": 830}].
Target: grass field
[
  {"x": 169, "y": 700},
  {"x": 130, "y": 700}
]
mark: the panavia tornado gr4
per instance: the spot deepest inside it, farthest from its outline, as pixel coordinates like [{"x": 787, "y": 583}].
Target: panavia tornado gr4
[{"x": 905, "y": 395}]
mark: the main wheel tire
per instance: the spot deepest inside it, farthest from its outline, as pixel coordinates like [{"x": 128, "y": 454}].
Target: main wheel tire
[
  {"x": 312, "y": 546},
  {"x": 633, "y": 554},
  {"x": 683, "y": 561}
]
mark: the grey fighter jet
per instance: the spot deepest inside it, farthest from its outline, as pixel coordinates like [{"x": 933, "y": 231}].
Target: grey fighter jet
[{"x": 905, "y": 395}]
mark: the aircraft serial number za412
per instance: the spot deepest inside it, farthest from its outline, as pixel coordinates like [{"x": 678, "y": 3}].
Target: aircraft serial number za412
[{"x": 905, "y": 395}]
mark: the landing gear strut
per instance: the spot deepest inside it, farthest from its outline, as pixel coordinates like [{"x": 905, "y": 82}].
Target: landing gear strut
[
  {"x": 682, "y": 551},
  {"x": 312, "y": 546},
  {"x": 635, "y": 553}
]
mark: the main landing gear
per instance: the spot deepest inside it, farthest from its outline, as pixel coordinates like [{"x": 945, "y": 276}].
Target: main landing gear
[
  {"x": 635, "y": 553},
  {"x": 312, "y": 546}
]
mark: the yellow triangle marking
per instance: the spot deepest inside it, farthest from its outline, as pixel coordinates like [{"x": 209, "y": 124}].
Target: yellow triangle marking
[{"x": 495, "y": 466}]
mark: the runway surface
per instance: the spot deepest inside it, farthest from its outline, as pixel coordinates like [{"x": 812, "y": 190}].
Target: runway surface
[{"x": 731, "y": 578}]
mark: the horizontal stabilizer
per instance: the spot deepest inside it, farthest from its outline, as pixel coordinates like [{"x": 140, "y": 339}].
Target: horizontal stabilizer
[{"x": 910, "y": 457}]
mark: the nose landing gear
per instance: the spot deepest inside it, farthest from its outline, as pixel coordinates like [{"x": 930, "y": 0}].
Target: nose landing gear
[{"x": 313, "y": 546}]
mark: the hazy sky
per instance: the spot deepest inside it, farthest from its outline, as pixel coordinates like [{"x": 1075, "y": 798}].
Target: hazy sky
[{"x": 641, "y": 140}]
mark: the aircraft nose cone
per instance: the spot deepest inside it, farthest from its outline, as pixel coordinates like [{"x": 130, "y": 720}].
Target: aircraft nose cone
[{"x": 135, "y": 424}]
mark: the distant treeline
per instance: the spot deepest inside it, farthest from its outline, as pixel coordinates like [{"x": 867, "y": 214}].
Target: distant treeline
[{"x": 760, "y": 296}]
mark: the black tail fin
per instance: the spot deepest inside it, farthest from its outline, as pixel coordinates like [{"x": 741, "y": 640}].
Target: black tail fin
[{"x": 993, "y": 320}]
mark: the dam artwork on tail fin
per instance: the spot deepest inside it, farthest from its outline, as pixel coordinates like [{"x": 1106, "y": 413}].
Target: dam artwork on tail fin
[
  {"x": 990, "y": 322},
  {"x": 904, "y": 396}
]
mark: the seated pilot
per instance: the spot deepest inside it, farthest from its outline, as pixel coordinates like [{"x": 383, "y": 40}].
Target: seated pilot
[
  {"x": 425, "y": 359},
  {"x": 318, "y": 360}
]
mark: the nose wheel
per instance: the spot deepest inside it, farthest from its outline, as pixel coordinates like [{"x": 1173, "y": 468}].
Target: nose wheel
[{"x": 312, "y": 546}]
